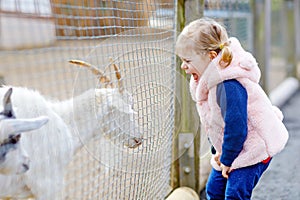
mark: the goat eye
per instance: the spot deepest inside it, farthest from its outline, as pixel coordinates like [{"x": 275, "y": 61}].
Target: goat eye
[{"x": 15, "y": 138}]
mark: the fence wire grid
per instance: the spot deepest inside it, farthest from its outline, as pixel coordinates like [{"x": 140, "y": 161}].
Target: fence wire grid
[
  {"x": 37, "y": 40},
  {"x": 39, "y": 37},
  {"x": 243, "y": 17}
]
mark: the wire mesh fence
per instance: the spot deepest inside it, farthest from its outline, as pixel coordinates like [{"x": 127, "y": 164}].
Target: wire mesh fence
[
  {"x": 236, "y": 16},
  {"x": 243, "y": 17},
  {"x": 37, "y": 40},
  {"x": 39, "y": 37}
]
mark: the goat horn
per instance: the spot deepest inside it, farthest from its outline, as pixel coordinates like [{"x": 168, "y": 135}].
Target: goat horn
[
  {"x": 118, "y": 75},
  {"x": 95, "y": 70},
  {"x": 23, "y": 125},
  {"x": 8, "y": 109}
]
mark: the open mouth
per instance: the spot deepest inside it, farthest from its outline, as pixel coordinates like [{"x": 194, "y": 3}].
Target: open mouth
[
  {"x": 134, "y": 143},
  {"x": 195, "y": 76}
]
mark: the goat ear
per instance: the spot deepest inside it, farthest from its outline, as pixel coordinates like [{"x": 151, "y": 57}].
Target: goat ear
[
  {"x": 8, "y": 110},
  {"x": 13, "y": 126}
]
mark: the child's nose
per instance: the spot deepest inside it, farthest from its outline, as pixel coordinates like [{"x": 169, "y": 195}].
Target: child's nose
[{"x": 184, "y": 66}]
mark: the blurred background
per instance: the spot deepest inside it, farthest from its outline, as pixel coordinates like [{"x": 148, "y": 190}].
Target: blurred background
[{"x": 38, "y": 37}]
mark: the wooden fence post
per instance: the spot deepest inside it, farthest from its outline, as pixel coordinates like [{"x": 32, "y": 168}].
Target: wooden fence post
[{"x": 187, "y": 11}]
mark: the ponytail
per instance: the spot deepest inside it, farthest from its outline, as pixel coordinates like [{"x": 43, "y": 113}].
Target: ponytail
[{"x": 226, "y": 55}]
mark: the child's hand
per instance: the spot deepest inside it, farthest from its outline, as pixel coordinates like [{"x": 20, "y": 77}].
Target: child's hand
[
  {"x": 225, "y": 170},
  {"x": 217, "y": 158}
]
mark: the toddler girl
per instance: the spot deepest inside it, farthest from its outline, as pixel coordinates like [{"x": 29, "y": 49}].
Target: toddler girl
[{"x": 244, "y": 128}]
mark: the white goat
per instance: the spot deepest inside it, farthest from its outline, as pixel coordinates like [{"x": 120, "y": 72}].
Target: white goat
[
  {"x": 52, "y": 148},
  {"x": 115, "y": 117},
  {"x": 13, "y": 158}
]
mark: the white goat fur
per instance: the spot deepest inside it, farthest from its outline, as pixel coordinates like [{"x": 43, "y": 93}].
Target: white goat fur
[
  {"x": 13, "y": 158},
  {"x": 51, "y": 148}
]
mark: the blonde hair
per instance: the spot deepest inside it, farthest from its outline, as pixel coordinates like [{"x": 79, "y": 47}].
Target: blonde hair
[{"x": 205, "y": 35}]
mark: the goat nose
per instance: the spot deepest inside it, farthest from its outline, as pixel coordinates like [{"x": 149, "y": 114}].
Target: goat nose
[
  {"x": 138, "y": 142},
  {"x": 134, "y": 142},
  {"x": 25, "y": 167},
  {"x": 26, "y": 163}
]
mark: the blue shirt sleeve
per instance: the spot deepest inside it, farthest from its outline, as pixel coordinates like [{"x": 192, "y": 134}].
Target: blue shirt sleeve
[{"x": 232, "y": 98}]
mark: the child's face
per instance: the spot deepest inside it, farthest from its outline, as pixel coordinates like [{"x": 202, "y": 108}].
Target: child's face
[{"x": 195, "y": 64}]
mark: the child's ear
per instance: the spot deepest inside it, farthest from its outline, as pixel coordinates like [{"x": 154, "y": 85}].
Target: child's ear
[{"x": 212, "y": 54}]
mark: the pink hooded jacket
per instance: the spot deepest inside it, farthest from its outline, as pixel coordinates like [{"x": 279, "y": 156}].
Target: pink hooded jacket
[{"x": 267, "y": 135}]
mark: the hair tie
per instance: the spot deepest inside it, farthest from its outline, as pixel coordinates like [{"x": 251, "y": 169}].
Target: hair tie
[{"x": 221, "y": 46}]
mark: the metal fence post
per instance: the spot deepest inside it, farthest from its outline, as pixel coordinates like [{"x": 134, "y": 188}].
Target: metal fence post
[
  {"x": 267, "y": 43},
  {"x": 297, "y": 37},
  {"x": 258, "y": 34}
]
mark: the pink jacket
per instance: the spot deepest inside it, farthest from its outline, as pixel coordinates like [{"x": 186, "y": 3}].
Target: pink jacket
[{"x": 267, "y": 135}]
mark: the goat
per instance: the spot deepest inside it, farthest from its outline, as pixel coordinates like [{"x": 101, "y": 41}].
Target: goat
[
  {"x": 113, "y": 104},
  {"x": 13, "y": 158},
  {"x": 52, "y": 149}
]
